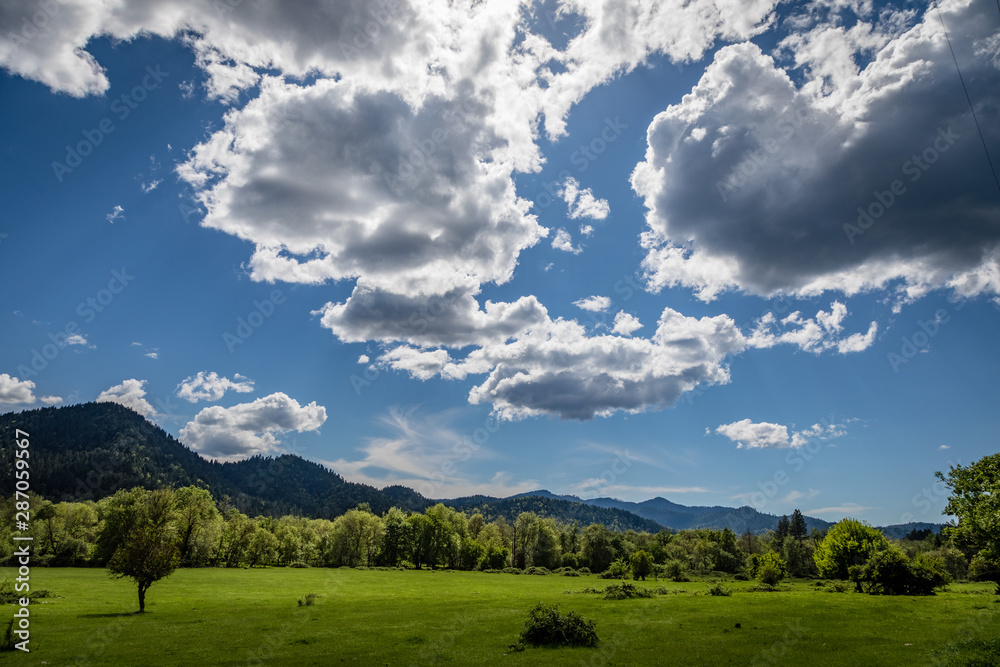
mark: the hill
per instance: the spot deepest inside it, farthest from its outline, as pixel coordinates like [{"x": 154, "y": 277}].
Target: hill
[{"x": 89, "y": 451}]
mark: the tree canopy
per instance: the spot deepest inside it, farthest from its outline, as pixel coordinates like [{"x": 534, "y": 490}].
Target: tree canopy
[{"x": 975, "y": 501}]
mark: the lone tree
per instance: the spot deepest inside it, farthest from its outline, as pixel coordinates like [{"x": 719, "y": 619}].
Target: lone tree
[
  {"x": 138, "y": 539},
  {"x": 975, "y": 500},
  {"x": 849, "y": 543},
  {"x": 642, "y": 564}
]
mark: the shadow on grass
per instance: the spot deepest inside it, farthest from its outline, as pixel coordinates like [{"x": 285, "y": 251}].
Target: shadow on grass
[{"x": 121, "y": 615}]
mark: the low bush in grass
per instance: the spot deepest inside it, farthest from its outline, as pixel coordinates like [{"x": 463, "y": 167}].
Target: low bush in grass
[
  {"x": 718, "y": 589},
  {"x": 625, "y": 591},
  {"x": 547, "y": 627},
  {"x": 571, "y": 573},
  {"x": 307, "y": 600},
  {"x": 890, "y": 572},
  {"x": 583, "y": 570},
  {"x": 617, "y": 570},
  {"x": 769, "y": 568},
  {"x": 537, "y": 570},
  {"x": 763, "y": 588}
]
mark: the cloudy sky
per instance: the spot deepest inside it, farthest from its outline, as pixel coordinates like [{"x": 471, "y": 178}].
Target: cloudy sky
[{"x": 727, "y": 252}]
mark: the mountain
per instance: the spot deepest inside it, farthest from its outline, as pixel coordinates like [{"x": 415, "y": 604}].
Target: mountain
[
  {"x": 89, "y": 451},
  {"x": 565, "y": 510}
]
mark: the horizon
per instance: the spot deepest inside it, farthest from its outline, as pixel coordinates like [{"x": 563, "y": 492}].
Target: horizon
[{"x": 728, "y": 258}]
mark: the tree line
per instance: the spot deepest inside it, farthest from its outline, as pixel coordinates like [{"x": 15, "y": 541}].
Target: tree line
[{"x": 145, "y": 534}]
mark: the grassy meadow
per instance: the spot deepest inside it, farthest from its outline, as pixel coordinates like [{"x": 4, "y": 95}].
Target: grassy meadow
[{"x": 368, "y": 617}]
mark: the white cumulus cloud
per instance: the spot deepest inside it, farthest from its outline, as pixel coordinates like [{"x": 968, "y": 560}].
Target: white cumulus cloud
[
  {"x": 210, "y": 386},
  {"x": 248, "y": 429},
  {"x": 130, "y": 393},
  {"x": 766, "y": 435}
]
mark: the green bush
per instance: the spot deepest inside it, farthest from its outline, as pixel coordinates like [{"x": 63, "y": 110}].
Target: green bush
[
  {"x": 850, "y": 542},
  {"x": 625, "y": 591},
  {"x": 890, "y": 572},
  {"x": 547, "y": 627},
  {"x": 570, "y": 560},
  {"x": 307, "y": 600},
  {"x": 617, "y": 570},
  {"x": 718, "y": 589},
  {"x": 675, "y": 571},
  {"x": 768, "y": 569},
  {"x": 537, "y": 570}
]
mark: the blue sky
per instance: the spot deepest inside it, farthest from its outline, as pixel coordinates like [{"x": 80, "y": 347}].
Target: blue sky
[{"x": 728, "y": 253}]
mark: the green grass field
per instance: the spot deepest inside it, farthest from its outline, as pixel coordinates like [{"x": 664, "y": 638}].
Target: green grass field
[{"x": 228, "y": 617}]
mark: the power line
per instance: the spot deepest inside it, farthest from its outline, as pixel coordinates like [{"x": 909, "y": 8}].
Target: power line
[{"x": 967, "y": 98}]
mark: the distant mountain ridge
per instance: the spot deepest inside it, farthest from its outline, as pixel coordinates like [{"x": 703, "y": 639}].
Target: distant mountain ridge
[{"x": 91, "y": 450}]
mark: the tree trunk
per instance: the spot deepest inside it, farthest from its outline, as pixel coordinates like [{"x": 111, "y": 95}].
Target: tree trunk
[{"x": 142, "y": 599}]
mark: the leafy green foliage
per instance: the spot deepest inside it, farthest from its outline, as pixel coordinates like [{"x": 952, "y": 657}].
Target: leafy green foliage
[
  {"x": 768, "y": 568},
  {"x": 890, "y": 572},
  {"x": 138, "y": 539},
  {"x": 547, "y": 627},
  {"x": 850, "y": 542},
  {"x": 642, "y": 564},
  {"x": 625, "y": 590},
  {"x": 975, "y": 500},
  {"x": 717, "y": 589}
]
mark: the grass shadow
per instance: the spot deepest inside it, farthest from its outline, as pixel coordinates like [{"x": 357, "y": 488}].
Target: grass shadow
[{"x": 120, "y": 615}]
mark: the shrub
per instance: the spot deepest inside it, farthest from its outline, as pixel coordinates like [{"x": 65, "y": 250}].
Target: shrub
[
  {"x": 7, "y": 640},
  {"x": 768, "y": 569},
  {"x": 763, "y": 588},
  {"x": 512, "y": 570},
  {"x": 570, "y": 560},
  {"x": 642, "y": 564},
  {"x": 890, "y": 572},
  {"x": 848, "y": 543},
  {"x": 625, "y": 591},
  {"x": 537, "y": 570},
  {"x": 741, "y": 576},
  {"x": 838, "y": 587},
  {"x": 547, "y": 627},
  {"x": 307, "y": 600},
  {"x": 583, "y": 570},
  {"x": 718, "y": 589},
  {"x": 675, "y": 570},
  {"x": 617, "y": 570},
  {"x": 571, "y": 573},
  {"x": 298, "y": 563}
]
